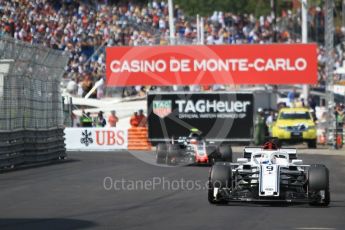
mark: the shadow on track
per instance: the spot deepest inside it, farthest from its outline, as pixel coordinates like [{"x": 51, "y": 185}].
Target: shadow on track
[
  {"x": 37, "y": 165},
  {"x": 333, "y": 204},
  {"x": 41, "y": 223}
]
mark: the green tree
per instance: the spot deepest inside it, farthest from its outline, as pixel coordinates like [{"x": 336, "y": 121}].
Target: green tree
[{"x": 207, "y": 7}]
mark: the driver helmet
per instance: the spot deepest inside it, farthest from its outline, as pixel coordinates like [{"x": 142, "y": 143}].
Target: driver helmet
[
  {"x": 195, "y": 133},
  {"x": 265, "y": 159},
  {"x": 270, "y": 145}
]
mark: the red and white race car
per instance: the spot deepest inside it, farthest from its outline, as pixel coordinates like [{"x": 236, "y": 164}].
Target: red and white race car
[{"x": 192, "y": 150}]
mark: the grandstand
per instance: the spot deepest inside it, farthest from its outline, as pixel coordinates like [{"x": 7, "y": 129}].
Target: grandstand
[{"x": 85, "y": 28}]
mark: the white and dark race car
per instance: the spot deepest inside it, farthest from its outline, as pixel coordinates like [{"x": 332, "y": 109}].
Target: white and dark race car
[
  {"x": 269, "y": 174},
  {"x": 192, "y": 149}
]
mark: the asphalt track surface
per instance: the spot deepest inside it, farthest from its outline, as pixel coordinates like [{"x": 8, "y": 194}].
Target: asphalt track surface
[{"x": 76, "y": 194}]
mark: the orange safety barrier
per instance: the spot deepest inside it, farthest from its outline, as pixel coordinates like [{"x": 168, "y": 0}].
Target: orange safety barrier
[{"x": 137, "y": 139}]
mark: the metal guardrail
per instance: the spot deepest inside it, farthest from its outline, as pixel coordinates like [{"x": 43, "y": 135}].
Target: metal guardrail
[{"x": 22, "y": 147}]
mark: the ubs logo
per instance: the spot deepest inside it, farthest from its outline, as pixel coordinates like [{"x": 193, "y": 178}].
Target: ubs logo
[{"x": 86, "y": 138}]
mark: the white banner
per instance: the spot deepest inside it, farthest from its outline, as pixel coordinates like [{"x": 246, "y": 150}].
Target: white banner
[
  {"x": 339, "y": 89},
  {"x": 93, "y": 139}
]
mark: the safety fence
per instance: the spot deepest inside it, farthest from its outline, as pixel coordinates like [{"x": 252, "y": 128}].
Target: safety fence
[{"x": 31, "y": 119}]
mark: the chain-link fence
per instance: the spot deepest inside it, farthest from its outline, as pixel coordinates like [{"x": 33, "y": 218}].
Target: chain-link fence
[{"x": 30, "y": 100}]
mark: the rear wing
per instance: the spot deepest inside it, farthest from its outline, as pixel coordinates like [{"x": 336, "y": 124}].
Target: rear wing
[{"x": 247, "y": 152}]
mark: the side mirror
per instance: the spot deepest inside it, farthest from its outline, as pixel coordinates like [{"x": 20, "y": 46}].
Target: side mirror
[
  {"x": 242, "y": 160},
  {"x": 297, "y": 162}
]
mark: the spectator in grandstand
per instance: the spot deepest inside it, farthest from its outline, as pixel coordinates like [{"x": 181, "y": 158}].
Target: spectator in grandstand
[
  {"x": 100, "y": 121},
  {"x": 134, "y": 120},
  {"x": 87, "y": 85},
  {"x": 72, "y": 87},
  {"x": 113, "y": 119},
  {"x": 86, "y": 119},
  {"x": 142, "y": 120}
]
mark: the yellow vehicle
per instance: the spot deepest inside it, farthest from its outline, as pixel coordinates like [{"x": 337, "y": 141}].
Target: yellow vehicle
[{"x": 295, "y": 125}]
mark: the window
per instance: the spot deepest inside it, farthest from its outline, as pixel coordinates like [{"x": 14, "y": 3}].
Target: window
[{"x": 294, "y": 115}]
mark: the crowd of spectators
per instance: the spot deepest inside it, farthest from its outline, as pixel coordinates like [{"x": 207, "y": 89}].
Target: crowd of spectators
[
  {"x": 138, "y": 119},
  {"x": 85, "y": 28},
  {"x": 88, "y": 120}
]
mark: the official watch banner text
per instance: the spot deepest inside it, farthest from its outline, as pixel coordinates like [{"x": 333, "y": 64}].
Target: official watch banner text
[{"x": 215, "y": 64}]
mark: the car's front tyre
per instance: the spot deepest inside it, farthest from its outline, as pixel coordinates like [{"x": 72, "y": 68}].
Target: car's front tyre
[
  {"x": 220, "y": 178},
  {"x": 318, "y": 185},
  {"x": 173, "y": 153}
]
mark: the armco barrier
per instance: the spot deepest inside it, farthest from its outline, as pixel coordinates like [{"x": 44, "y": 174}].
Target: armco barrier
[
  {"x": 20, "y": 147},
  {"x": 11, "y": 149},
  {"x": 138, "y": 139},
  {"x": 44, "y": 145}
]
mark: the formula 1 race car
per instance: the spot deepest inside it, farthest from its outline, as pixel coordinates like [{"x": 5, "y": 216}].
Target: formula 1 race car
[
  {"x": 192, "y": 150},
  {"x": 269, "y": 174}
]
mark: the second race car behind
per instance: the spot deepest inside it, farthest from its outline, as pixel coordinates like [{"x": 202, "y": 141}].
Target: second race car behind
[{"x": 192, "y": 150}]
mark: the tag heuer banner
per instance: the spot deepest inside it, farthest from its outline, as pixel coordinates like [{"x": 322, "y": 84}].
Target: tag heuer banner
[
  {"x": 161, "y": 108},
  {"x": 212, "y": 64},
  {"x": 217, "y": 115}
]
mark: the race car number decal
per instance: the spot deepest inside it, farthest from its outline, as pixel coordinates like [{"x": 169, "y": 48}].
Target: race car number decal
[{"x": 269, "y": 168}]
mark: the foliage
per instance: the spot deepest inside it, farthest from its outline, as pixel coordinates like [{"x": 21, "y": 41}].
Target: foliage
[{"x": 207, "y": 7}]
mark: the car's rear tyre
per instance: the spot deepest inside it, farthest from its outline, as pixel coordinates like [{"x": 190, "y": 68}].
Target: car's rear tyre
[
  {"x": 173, "y": 153},
  {"x": 211, "y": 151},
  {"x": 220, "y": 177},
  {"x": 312, "y": 144},
  {"x": 161, "y": 153},
  {"x": 225, "y": 152},
  {"x": 318, "y": 183}
]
